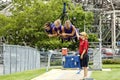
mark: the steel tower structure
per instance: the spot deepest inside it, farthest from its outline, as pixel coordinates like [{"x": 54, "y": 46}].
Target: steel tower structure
[
  {"x": 106, "y": 24},
  {"x": 109, "y": 10}
]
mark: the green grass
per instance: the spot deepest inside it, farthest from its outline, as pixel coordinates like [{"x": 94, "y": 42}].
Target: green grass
[
  {"x": 26, "y": 75},
  {"x": 112, "y": 66},
  {"x": 114, "y": 74},
  {"x": 97, "y": 75}
]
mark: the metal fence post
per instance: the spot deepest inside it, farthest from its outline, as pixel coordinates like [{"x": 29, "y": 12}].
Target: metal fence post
[
  {"x": 3, "y": 58},
  {"x": 20, "y": 60},
  {"x": 49, "y": 57},
  {"x": 36, "y": 60},
  {"x": 28, "y": 59},
  {"x": 24, "y": 59},
  {"x": 10, "y": 58},
  {"x": 16, "y": 60}
]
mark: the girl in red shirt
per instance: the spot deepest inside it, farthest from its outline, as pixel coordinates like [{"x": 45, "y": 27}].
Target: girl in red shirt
[{"x": 83, "y": 51}]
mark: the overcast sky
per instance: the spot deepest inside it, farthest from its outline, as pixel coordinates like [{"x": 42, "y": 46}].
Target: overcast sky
[{"x": 5, "y": 0}]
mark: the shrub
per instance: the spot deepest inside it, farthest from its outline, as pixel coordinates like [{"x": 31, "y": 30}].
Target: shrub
[
  {"x": 56, "y": 63},
  {"x": 108, "y": 61},
  {"x": 111, "y": 61}
]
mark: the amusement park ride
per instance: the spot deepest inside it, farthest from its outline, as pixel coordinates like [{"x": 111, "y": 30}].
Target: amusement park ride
[
  {"x": 106, "y": 19},
  {"x": 106, "y": 24}
]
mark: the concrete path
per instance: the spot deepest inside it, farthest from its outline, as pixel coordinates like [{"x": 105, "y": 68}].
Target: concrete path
[{"x": 59, "y": 74}]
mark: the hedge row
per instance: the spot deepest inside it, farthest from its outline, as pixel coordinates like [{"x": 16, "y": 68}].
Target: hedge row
[
  {"x": 105, "y": 61},
  {"x": 111, "y": 61},
  {"x": 108, "y": 61}
]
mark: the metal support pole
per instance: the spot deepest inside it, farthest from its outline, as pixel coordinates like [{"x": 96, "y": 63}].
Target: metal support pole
[
  {"x": 113, "y": 27},
  {"x": 10, "y": 58},
  {"x": 113, "y": 32},
  {"x": 4, "y": 55},
  {"x": 49, "y": 57},
  {"x": 97, "y": 59},
  {"x": 100, "y": 57},
  {"x": 84, "y": 26}
]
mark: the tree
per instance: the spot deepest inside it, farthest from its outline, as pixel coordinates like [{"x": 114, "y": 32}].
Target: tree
[{"x": 25, "y": 26}]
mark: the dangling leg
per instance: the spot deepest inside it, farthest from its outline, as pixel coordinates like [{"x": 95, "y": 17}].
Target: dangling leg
[{"x": 62, "y": 40}]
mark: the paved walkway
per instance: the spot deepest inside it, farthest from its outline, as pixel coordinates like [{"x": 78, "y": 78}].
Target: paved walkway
[{"x": 59, "y": 74}]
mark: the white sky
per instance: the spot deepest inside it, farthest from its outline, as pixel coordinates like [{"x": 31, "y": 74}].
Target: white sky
[{"x": 5, "y": 0}]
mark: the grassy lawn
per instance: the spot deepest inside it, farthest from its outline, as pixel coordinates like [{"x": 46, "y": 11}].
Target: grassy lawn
[
  {"x": 114, "y": 74},
  {"x": 26, "y": 75},
  {"x": 97, "y": 75}
]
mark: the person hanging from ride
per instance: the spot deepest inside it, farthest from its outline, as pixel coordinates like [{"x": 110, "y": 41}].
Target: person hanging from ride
[
  {"x": 58, "y": 27},
  {"x": 50, "y": 29},
  {"x": 69, "y": 31}
]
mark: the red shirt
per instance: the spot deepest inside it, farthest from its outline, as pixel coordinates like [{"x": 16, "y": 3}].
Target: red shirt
[{"x": 83, "y": 45}]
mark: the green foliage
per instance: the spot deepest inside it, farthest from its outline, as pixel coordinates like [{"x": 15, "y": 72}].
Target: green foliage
[
  {"x": 92, "y": 38},
  {"x": 53, "y": 43},
  {"x": 56, "y": 63},
  {"x": 29, "y": 16},
  {"x": 111, "y": 61},
  {"x": 108, "y": 61}
]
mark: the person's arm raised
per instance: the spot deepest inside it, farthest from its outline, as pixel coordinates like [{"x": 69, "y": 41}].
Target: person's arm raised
[{"x": 77, "y": 34}]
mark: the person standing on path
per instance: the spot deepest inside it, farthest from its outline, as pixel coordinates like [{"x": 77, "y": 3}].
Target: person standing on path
[{"x": 83, "y": 51}]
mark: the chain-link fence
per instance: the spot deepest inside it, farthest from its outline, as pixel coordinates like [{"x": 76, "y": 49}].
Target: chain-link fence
[{"x": 15, "y": 58}]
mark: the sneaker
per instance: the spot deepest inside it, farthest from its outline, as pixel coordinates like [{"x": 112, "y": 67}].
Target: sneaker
[{"x": 78, "y": 72}]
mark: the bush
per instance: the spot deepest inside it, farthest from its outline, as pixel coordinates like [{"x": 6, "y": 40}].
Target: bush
[
  {"x": 90, "y": 63},
  {"x": 111, "y": 61},
  {"x": 108, "y": 61},
  {"x": 56, "y": 63}
]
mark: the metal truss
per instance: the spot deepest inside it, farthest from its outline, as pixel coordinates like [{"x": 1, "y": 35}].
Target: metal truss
[
  {"x": 106, "y": 24},
  {"x": 109, "y": 10}
]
